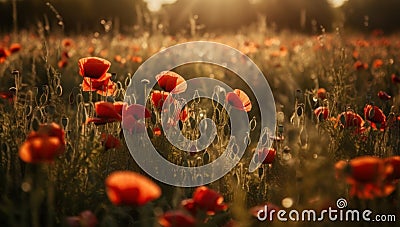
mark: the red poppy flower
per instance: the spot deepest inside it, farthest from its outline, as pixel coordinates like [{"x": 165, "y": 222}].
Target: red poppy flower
[
  {"x": 137, "y": 111},
  {"x": 118, "y": 106},
  {"x": 106, "y": 112},
  {"x": 103, "y": 85},
  {"x": 8, "y": 95},
  {"x": 322, "y": 113},
  {"x": 208, "y": 200},
  {"x": 43, "y": 145},
  {"x": 130, "y": 188},
  {"x": 3, "y": 54},
  {"x": 132, "y": 125},
  {"x": 108, "y": 90},
  {"x": 321, "y": 93},
  {"x": 268, "y": 154},
  {"x": 239, "y": 100},
  {"x": 384, "y": 96},
  {"x": 176, "y": 219},
  {"x": 395, "y": 78},
  {"x": 14, "y": 48},
  {"x": 158, "y": 98},
  {"x": 183, "y": 114},
  {"x": 93, "y": 67},
  {"x": 349, "y": 119},
  {"x": 377, "y": 63},
  {"x": 110, "y": 141},
  {"x": 366, "y": 168},
  {"x": 394, "y": 162},
  {"x": 360, "y": 65},
  {"x": 260, "y": 210},
  {"x": 375, "y": 117},
  {"x": 157, "y": 131},
  {"x": 169, "y": 81},
  {"x": 190, "y": 206},
  {"x": 134, "y": 116},
  {"x": 366, "y": 176}
]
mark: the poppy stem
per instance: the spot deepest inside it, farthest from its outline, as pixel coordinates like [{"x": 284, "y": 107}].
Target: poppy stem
[
  {"x": 50, "y": 197},
  {"x": 108, "y": 162}
]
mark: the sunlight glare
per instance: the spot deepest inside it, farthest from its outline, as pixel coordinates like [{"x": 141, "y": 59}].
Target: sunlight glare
[
  {"x": 155, "y": 5},
  {"x": 336, "y": 3}
]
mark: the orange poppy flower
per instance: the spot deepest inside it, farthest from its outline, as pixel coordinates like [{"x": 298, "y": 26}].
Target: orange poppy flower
[
  {"x": 118, "y": 58},
  {"x": 269, "y": 155},
  {"x": 377, "y": 63},
  {"x": 360, "y": 65},
  {"x": 157, "y": 131},
  {"x": 67, "y": 43},
  {"x": 110, "y": 141},
  {"x": 14, "y": 48},
  {"x": 239, "y": 100},
  {"x": 136, "y": 59},
  {"x": 375, "y": 117},
  {"x": 169, "y": 81},
  {"x": 208, "y": 200},
  {"x": 93, "y": 67},
  {"x": 321, "y": 93},
  {"x": 356, "y": 54},
  {"x": 384, "y": 96},
  {"x": 43, "y": 145},
  {"x": 130, "y": 188},
  {"x": 362, "y": 43},
  {"x": 176, "y": 219},
  {"x": 322, "y": 113}
]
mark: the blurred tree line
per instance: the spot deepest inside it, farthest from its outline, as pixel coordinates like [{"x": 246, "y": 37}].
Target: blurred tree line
[{"x": 214, "y": 15}]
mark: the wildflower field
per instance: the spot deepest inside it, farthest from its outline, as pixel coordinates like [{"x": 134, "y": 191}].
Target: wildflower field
[{"x": 64, "y": 159}]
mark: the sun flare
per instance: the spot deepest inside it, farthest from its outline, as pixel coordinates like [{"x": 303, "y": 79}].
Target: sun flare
[
  {"x": 155, "y": 5},
  {"x": 336, "y": 3}
]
